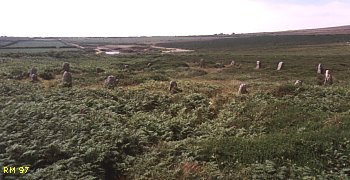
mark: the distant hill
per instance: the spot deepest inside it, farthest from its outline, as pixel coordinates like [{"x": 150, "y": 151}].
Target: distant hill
[{"x": 317, "y": 31}]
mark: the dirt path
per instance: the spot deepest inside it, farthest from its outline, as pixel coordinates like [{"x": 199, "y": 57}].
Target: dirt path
[{"x": 171, "y": 50}]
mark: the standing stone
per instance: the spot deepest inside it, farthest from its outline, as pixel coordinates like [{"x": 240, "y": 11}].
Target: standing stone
[
  {"x": 149, "y": 64},
  {"x": 111, "y": 81},
  {"x": 34, "y": 77},
  {"x": 172, "y": 86},
  {"x": 328, "y": 80},
  {"x": 126, "y": 67},
  {"x": 258, "y": 65},
  {"x": 298, "y": 83},
  {"x": 232, "y": 63},
  {"x": 242, "y": 89},
  {"x": 66, "y": 67},
  {"x": 320, "y": 69},
  {"x": 33, "y": 71},
  {"x": 67, "y": 79},
  {"x": 280, "y": 66},
  {"x": 201, "y": 63},
  {"x": 99, "y": 70}
]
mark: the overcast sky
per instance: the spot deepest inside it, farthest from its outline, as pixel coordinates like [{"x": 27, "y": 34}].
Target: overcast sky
[{"x": 166, "y": 17}]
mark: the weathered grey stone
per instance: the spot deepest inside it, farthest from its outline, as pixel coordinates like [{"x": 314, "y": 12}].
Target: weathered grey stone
[
  {"x": 66, "y": 67},
  {"x": 99, "y": 70},
  {"x": 280, "y": 66},
  {"x": 242, "y": 89},
  {"x": 328, "y": 79},
  {"x": 258, "y": 65},
  {"x": 298, "y": 83},
  {"x": 202, "y": 63},
  {"x": 111, "y": 81},
  {"x": 149, "y": 64},
  {"x": 33, "y": 71},
  {"x": 172, "y": 86},
  {"x": 34, "y": 77},
  {"x": 320, "y": 69},
  {"x": 232, "y": 63},
  {"x": 67, "y": 79}
]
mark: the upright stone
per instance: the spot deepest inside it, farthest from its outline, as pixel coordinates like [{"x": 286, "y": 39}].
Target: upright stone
[
  {"x": 242, "y": 89},
  {"x": 298, "y": 83},
  {"x": 149, "y": 64},
  {"x": 172, "y": 86},
  {"x": 320, "y": 69},
  {"x": 67, "y": 79},
  {"x": 99, "y": 70},
  {"x": 34, "y": 77},
  {"x": 201, "y": 63},
  {"x": 258, "y": 65},
  {"x": 111, "y": 82},
  {"x": 66, "y": 67},
  {"x": 33, "y": 71},
  {"x": 232, "y": 63},
  {"x": 328, "y": 79},
  {"x": 280, "y": 66}
]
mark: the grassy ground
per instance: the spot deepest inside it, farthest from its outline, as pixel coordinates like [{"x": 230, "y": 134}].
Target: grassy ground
[{"x": 140, "y": 130}]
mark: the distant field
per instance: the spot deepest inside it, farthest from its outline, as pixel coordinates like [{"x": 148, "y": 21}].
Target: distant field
[
  {"x": 317, "y": 31},
  {"x": 137, "y": 40},
  {"x": 260, "y": 42},
  {"x": 37, "y": 44},
  {"x": 33, "y": 45},
  {"x": 4, "y": 43},
  {"x": 36, "y": 50}
]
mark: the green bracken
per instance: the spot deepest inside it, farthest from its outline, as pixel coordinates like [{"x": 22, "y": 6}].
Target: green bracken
[{"x": 140, "y": 130}]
